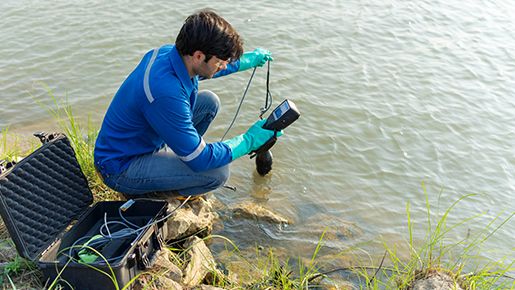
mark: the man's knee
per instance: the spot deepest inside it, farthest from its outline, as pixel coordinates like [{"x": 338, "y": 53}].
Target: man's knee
[
  {"x": 221, "y": 176},
  {"x": 209, "y": 98},
  {"x": 226, "y": 173}
]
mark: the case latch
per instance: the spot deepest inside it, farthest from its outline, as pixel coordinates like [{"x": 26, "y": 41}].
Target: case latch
[
  {"x": 142, "y": 257},
  {"x": 159, "y": 242},
  {"x": 44, "y": 137},
  {"x": 144, "y": 262},
  {"x": 6, "y": 165}
]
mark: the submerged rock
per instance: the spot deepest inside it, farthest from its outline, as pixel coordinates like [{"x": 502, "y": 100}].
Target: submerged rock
[
  {"x": 334, "y": 233},
  {"x": 252, "y": 211},
  {"x": 332, "y": 228}
]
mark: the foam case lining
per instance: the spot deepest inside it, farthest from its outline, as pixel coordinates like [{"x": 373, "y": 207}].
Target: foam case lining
[{"x": 46, "y": 192}]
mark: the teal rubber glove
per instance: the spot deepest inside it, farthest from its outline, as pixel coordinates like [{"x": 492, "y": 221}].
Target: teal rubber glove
[
  {"x": 253, "y": 59},
  {"x": 253, "y": 139}
]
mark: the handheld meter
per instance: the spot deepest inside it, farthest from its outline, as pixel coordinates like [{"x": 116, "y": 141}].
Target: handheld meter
[{"x": 281, "y": 117}]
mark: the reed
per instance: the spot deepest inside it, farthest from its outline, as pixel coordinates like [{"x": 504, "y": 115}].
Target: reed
[
  {"x": 267, "y": 270},
  {"x": 10, "y": 145},
  {"x": 461, "y": 260},
  {"x": 82, "y": 136}
]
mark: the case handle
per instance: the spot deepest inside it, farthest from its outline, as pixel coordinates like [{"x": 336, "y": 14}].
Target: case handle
[
  {"x": 44, "y": 137},
  {"x": 145, "y": 261}
]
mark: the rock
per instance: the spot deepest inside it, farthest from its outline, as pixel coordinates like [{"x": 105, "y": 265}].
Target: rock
[
  {"x": 333, "y": 229},
  {"x": 169, "y": 284},
  {"x": 163, "y": 275},
  {"x": 243, "y": 264},
  {"x": 164, "y": 267},
  {"x": 218, "y": 225},
  {"x": 209, "y": 287},
  {"x": 216, "y": 205},
  {"x": 335, "y": 234},
  {"x": 149, "y": 281},
  {"x": 334, "y": 283},
  {"x": 7, "y": 251},
  {"x": 328, "y": 262},
  {"x": 219, "y": 278},
  {"x": 436, "y": 281},
  {"x": 199, "y": 261},
  {"x": 249, "y": 210},
  {"x": 194, "y": 216}
]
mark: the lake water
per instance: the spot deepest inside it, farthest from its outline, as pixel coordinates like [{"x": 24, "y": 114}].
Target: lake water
[{"x": 392, "y": 94}]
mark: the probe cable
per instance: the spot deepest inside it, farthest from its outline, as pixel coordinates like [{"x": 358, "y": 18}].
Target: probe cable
[
  {"x": 263, "y": 110},
  {"x": 268, "y": 93},
  {"x": 239, "y": 107}
]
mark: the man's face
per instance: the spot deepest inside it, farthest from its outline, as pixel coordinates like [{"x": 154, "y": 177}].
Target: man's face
[{"x": 209, "y": 69}]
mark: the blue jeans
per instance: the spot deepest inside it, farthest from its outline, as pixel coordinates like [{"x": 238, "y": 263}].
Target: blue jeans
[{"x": 161, "y": 174}]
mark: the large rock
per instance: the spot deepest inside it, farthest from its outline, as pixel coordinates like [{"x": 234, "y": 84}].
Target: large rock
[
  {"x": 436, "y": 281},
  {"x": 249, "y": 210},
  {"x": 193, "y": 217},
  {"x": 209, "y": 287},
  {"x": 152, "y": 282},
  {"x": 199, "y": 261},
  {"x": 221, "y": 278},
  {"x": 336, "y": 235},
  {"x": 164, "y": 267},
  {"x": 163, "y": 275}
]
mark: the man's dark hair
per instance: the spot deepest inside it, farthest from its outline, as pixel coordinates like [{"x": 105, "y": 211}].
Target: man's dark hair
[{"x": 208, "y": 32}]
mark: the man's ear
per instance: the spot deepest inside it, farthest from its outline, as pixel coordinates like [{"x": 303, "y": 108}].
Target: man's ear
[{"x": 198, "y": 56}]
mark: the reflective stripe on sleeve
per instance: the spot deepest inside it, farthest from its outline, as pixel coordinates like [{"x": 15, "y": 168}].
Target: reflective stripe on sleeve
[
  {"x": 195, "y": 153},
  {"x": 146, "y": 85}
]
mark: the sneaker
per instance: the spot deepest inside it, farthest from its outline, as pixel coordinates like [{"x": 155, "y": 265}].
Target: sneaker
[
  {"x": 183, "y": 198},
  {"x": 156, "y": 195},
  {"x": 122, "y": 196}
]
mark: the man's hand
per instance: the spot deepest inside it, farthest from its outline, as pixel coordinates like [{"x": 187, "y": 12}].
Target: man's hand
[
  {"x": 252, "y": 140},
  {"x": 254, "y": 59}
]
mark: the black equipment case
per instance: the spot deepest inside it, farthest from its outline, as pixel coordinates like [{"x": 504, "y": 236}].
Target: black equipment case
[{"x": 44, "y": 193}]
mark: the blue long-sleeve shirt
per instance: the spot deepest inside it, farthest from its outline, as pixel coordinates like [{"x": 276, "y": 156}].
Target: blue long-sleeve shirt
[{"x": 154, "y": 105}]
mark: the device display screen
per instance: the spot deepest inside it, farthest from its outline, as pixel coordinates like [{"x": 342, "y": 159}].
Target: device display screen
[{"x": 280, "y": 110}]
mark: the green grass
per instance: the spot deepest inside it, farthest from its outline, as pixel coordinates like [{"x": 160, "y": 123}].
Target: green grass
[
  {"x": 82, "y": 136},
  {"x": 463, "y": 260},
  {"x": 267, "y": 269},
  {"x": 10, "y": 145}
]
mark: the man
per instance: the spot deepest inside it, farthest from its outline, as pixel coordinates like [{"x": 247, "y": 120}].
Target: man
[{"x": 150, "y": 143}]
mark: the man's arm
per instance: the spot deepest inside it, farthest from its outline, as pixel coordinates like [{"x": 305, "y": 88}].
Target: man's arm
[{"x": 170, "y": 117}]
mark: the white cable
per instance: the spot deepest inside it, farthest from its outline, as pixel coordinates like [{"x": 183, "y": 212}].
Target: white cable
[
  {"x": 125, "y": 220},
  {"x": 127, "y": 231},
  {"x": 105, "y": 223}
]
